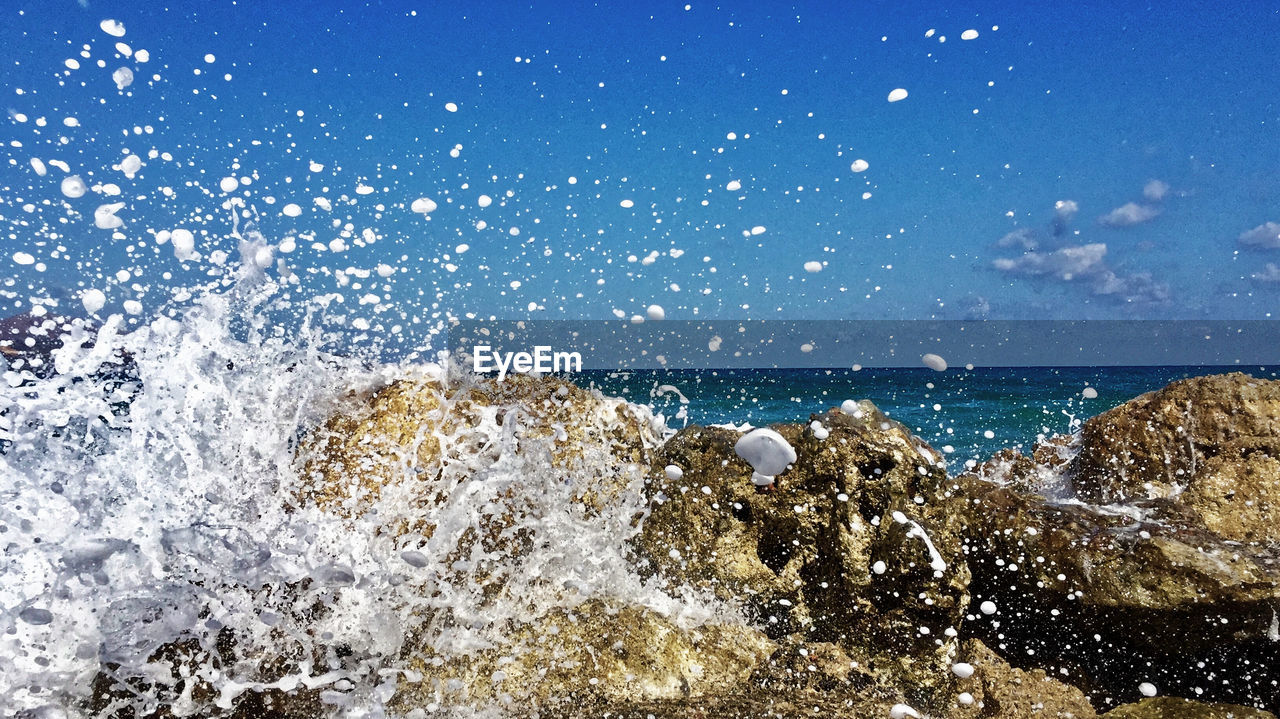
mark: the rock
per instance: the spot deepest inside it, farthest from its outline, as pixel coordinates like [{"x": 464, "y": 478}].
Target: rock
[
  {"x": 999, "y": 691},
  {"x": 1187, "y": 542},
  {"x": 1154, "y": 445},
  {"x": 745, "y": 704},
  {"x": 595, "y": 654},
  {"x": 843, "y": 551},
  {"x": 823, "y": 684},
  {"x": 1174, "y": 708},
  {"x": 176, "y": 684},
  {"x": 414, "y": 448},
  {"x": 422, "y": 435}
]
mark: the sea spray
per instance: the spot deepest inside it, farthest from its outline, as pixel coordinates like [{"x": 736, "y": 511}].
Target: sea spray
[{"x": 151, "y": 527}]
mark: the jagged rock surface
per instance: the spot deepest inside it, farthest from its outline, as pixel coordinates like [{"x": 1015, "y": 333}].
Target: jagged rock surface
[
  {"x": 1187, "y": 544},
  {"x": 849, "y": 549}
]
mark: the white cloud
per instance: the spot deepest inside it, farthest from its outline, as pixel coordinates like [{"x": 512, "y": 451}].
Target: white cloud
[
  {"x": 1269, "y": 274},
  {"x": 1086, "y": 264},
  {"x": 1138, "y": 288},
  {"x": 1023, "y": 237},
  {"x": 1067, "y": 263},
  {"x": 1129, "y": 214},
  {"x": 1266, "y": 235},
  {"x": 1063, "y": 212},
  {"x": 1155, "y": 190}
]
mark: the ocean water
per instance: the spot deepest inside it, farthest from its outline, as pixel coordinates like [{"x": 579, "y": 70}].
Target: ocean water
[{"x": 967, "y": 413}]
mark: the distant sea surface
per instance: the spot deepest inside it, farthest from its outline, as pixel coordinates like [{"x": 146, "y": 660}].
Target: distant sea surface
[{"x": 972, "y": 412}]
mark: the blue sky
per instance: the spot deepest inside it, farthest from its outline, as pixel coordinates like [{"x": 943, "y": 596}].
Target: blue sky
[{"x": 663, "y": 105}]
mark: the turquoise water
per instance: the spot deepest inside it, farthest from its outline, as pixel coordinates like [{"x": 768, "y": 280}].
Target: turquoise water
[{"x": 956, "y": 408}]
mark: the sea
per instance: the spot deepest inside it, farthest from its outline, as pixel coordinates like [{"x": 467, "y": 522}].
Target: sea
[{"x": 969, "y": 414}]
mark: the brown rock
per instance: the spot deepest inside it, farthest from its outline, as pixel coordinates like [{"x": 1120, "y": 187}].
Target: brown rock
[
  {"x": 596, "y": 654},
  {"x": 410, "y": 434},
  {"x": 803, "y": 559},
  {"x": 1155, "y": 444},
  {"x": 1179, "y": 573},
  {"x": 999, "y": 691},
  {"x": 1174, "y": 708}
]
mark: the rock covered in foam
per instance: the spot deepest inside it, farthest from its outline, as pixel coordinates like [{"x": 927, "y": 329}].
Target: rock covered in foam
[
  {"x": 490, "y": 483},
  {"x": 411, "y": 433}
]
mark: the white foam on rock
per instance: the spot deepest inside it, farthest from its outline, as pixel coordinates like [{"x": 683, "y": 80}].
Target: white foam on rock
[
  {"x": 902, "y": 711},
  {"x": 768, "y": 453},
  {"x": 936, "y": 562}
]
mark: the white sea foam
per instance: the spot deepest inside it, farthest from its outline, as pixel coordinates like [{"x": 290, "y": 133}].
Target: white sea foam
[{"x": 179, "y": 514}]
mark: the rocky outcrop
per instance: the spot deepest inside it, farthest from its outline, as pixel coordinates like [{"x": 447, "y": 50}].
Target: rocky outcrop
[
  {"x": 415, "y": 446},
  {"x": 1186, "y": 543},
  {"x": 422, "y": 435},
  {"x": 1169, "y": 441},
  {"x": 1141, "y": 550},
  {"x": 1175, "y": 708},
  {"x": 849, "y": 549},
  {"x": 594, "y": 654},
  {"x": 822, "y": 680},
  {"x": 996, "y": 689}
]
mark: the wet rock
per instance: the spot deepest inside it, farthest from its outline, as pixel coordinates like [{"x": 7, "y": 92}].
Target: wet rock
[
  {"x": 410, "y": 434},
  {"x": 535, "y": 452},
  {"x": 1159, "y": 443},
  {"x": 825, "y": 681},
  {"x": 1174, "y": 708},
  {"x": 999, "y": 691},
  {"x": 597, "y": 653},
  {"x": 849, "y": 549},
  {"x": 176, "y": 684},
  {"x": 1178, "y": 574}
]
